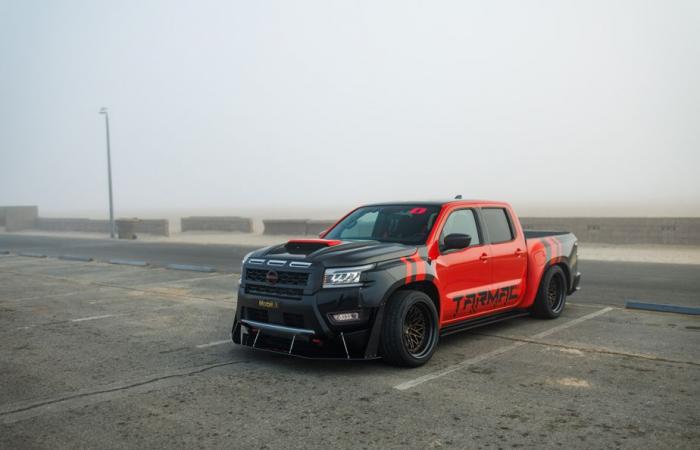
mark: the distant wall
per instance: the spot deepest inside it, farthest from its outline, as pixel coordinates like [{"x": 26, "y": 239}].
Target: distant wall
[
  {"x": 72, "y": 224},
  {"x": 285, "y": 226},
  {"x": 623, "y": 230},
  {"x": 298, "y": 227},
  {"x": 602, "y": 230},
  {"x": 160, "y": 227},
  {"x": 15, "y": 218},
  {"x": 220, "y": 223},
  {"x": 315, "y": 227}
]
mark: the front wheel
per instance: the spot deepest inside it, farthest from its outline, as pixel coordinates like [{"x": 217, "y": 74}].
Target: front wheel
[
  {"x": 551, "y": 296},
  {"x": 410, "y": 329}
]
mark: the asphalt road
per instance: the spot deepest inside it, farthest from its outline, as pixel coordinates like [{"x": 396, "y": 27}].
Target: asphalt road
[
  {"x": 105, "y": 356},
  {"x": 604, "y": 282},
  {"x": 225, "y": 258}
]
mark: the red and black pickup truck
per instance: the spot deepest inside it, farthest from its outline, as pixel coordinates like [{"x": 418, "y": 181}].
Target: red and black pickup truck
[{"x": 387, "y": 280}]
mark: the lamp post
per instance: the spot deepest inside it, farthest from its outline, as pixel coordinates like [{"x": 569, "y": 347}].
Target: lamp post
[{"x": 109, "y": 174}]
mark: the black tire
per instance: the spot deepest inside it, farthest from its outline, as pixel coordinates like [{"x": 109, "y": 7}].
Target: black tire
[
  {"x": 410, "y": 329},
  {"x": 551, "y": 295}
]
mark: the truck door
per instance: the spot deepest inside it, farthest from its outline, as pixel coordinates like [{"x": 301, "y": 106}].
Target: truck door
[
  {"x": 508, "y": 258},
  {"x": 462, "y": 272}
]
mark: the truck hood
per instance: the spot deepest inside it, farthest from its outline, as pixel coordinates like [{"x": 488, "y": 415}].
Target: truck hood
[{"x": 335, "y": 253}]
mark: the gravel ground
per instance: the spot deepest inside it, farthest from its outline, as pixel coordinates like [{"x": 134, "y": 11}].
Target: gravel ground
[{"x": 101, "y": 356}]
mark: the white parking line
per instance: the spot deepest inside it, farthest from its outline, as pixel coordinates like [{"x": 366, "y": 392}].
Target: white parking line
[
  {"x": 83, "y": 319},
  {"x": 212, "y": 344},
  {"x": 499, "y": 351}
]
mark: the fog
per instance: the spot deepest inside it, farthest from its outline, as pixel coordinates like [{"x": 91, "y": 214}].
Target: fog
[{"x": 309, "y": 107}]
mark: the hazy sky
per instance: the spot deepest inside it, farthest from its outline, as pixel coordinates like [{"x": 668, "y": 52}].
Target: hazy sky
[{"x": 555, "y": 106}]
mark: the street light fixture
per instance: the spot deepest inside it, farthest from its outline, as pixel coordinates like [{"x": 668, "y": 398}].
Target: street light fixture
[{"x": 109, "y": 174}]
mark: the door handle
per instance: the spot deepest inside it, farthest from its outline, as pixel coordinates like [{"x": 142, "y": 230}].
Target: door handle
[
  {"x": 484, "y": 257},
  {"x": 519, "y": 252}
]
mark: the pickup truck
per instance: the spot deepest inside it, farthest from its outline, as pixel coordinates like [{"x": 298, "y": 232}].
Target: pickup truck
[{"x": 387, "y": 280}]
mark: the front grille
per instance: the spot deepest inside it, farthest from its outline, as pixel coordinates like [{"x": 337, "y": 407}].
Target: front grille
[
  {"x": 275, "y": 291},
  {"x": 293, "y": 320},
  {"x": 258, "y": 315},
  {"x": 283, "y": 277}
]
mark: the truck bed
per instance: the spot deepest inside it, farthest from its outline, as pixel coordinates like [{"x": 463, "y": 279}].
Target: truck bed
[{"x": 531, "y": 234}]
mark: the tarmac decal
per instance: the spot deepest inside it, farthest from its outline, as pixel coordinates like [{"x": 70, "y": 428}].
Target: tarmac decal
[{"x": 477, "y": 301}]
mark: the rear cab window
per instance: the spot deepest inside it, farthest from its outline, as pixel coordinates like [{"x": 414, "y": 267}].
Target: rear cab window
[{"x": 498, "y": 225}]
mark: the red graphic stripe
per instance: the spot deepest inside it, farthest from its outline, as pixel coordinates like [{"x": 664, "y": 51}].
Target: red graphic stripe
[
  {"x": 409, "y": 269},
  {"x": 420, "y": 267}
]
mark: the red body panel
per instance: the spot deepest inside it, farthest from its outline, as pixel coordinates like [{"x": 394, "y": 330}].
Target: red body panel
[{"x": 487, "y": 278}]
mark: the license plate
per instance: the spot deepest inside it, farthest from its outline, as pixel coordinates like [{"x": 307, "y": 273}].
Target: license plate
[{"x": 269, "y": 304}]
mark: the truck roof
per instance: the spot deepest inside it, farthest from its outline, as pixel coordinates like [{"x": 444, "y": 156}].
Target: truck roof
[{"x": 437, "y": 202}]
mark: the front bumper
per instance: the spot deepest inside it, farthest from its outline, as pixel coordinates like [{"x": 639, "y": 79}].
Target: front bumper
[
  {"x": 576, "y": 285},
  {"x": 302, "y": 326}
]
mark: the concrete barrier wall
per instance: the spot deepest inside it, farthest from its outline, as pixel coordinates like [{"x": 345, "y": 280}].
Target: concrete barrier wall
[
  {"x": 72, "y": 224},
  {"x": 16, "y": 218},
  {"x": 160, "y": 227},
  {"x": 315, "y": 227},
  {"x": 623, "y": 230},
  {"x": 296, "y": 227},
  {"x": 602, "y": 230},
  {"x": 285, "y": 226},
  {"x": 222, "y": 223}
]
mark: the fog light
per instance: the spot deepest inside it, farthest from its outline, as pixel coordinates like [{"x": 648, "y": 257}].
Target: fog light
[{"x": 346, "y": 316}]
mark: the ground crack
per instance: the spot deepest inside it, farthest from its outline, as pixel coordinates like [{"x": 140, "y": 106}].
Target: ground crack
[
  {"x": 121, "y": 388},
  {"x": 591, "y": 350}
]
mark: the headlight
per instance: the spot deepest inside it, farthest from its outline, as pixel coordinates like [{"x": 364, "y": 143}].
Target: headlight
[
  {"x": 245, "y": 258},
  {"x": 344, "y": 277}
]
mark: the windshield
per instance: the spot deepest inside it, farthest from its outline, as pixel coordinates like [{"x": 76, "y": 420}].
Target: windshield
[{"x": 407, "y": 224}]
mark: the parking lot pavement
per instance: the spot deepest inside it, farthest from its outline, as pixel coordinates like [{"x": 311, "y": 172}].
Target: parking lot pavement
[{"x": 102, "y": 356}]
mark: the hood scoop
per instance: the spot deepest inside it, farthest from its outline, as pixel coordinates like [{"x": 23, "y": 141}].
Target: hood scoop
[{"x": 308, "y": 246}]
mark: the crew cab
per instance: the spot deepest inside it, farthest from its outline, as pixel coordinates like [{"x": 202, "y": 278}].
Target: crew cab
[{"x": 387, "y": 280}]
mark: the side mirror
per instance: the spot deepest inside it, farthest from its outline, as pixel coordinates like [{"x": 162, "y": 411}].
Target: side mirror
[
  {"x": 322, "y": 233},
  {"x": 456, "y": 241}
]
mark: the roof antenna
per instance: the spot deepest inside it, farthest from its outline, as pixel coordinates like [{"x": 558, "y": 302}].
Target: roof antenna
[{"x": 458, "y": 197}]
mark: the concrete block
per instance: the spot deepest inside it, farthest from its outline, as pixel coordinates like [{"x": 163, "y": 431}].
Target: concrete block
[
  {"x": 192, "y": 268},
  {"x": 623, "y": 230},
  {"x": 16, "y": 218},
  {"x": 217, "y": 223},
  {"x": 159, "y": 227},
  {"x": 315, "y": 227},
  {"x": 294, "y": 227}
]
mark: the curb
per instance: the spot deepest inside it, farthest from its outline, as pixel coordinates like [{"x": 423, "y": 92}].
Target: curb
[
  {"x": 75, "y": 258},
  {"x": 205, "y": 269},
  {"x": 31, "y": 255},
  {"x": 128, "y": 262},
  {"x": 663, "y": 308}
]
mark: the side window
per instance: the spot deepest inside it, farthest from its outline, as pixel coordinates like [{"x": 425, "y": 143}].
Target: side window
[
  {"x": 497, "y": 224},
  {"x": 462, "y": 221}
]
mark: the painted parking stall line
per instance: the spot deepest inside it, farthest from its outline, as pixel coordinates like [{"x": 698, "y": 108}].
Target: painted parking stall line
[
  {"x": 85, "y": 319},
  {"x": 213, "y": 344},
  {"x": 499, "y": 351}
]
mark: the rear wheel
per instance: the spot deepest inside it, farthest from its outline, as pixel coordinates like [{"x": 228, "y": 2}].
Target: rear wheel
[
  {"x": 410, "y": 329},
  {"x": 551, "y": 296}
]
